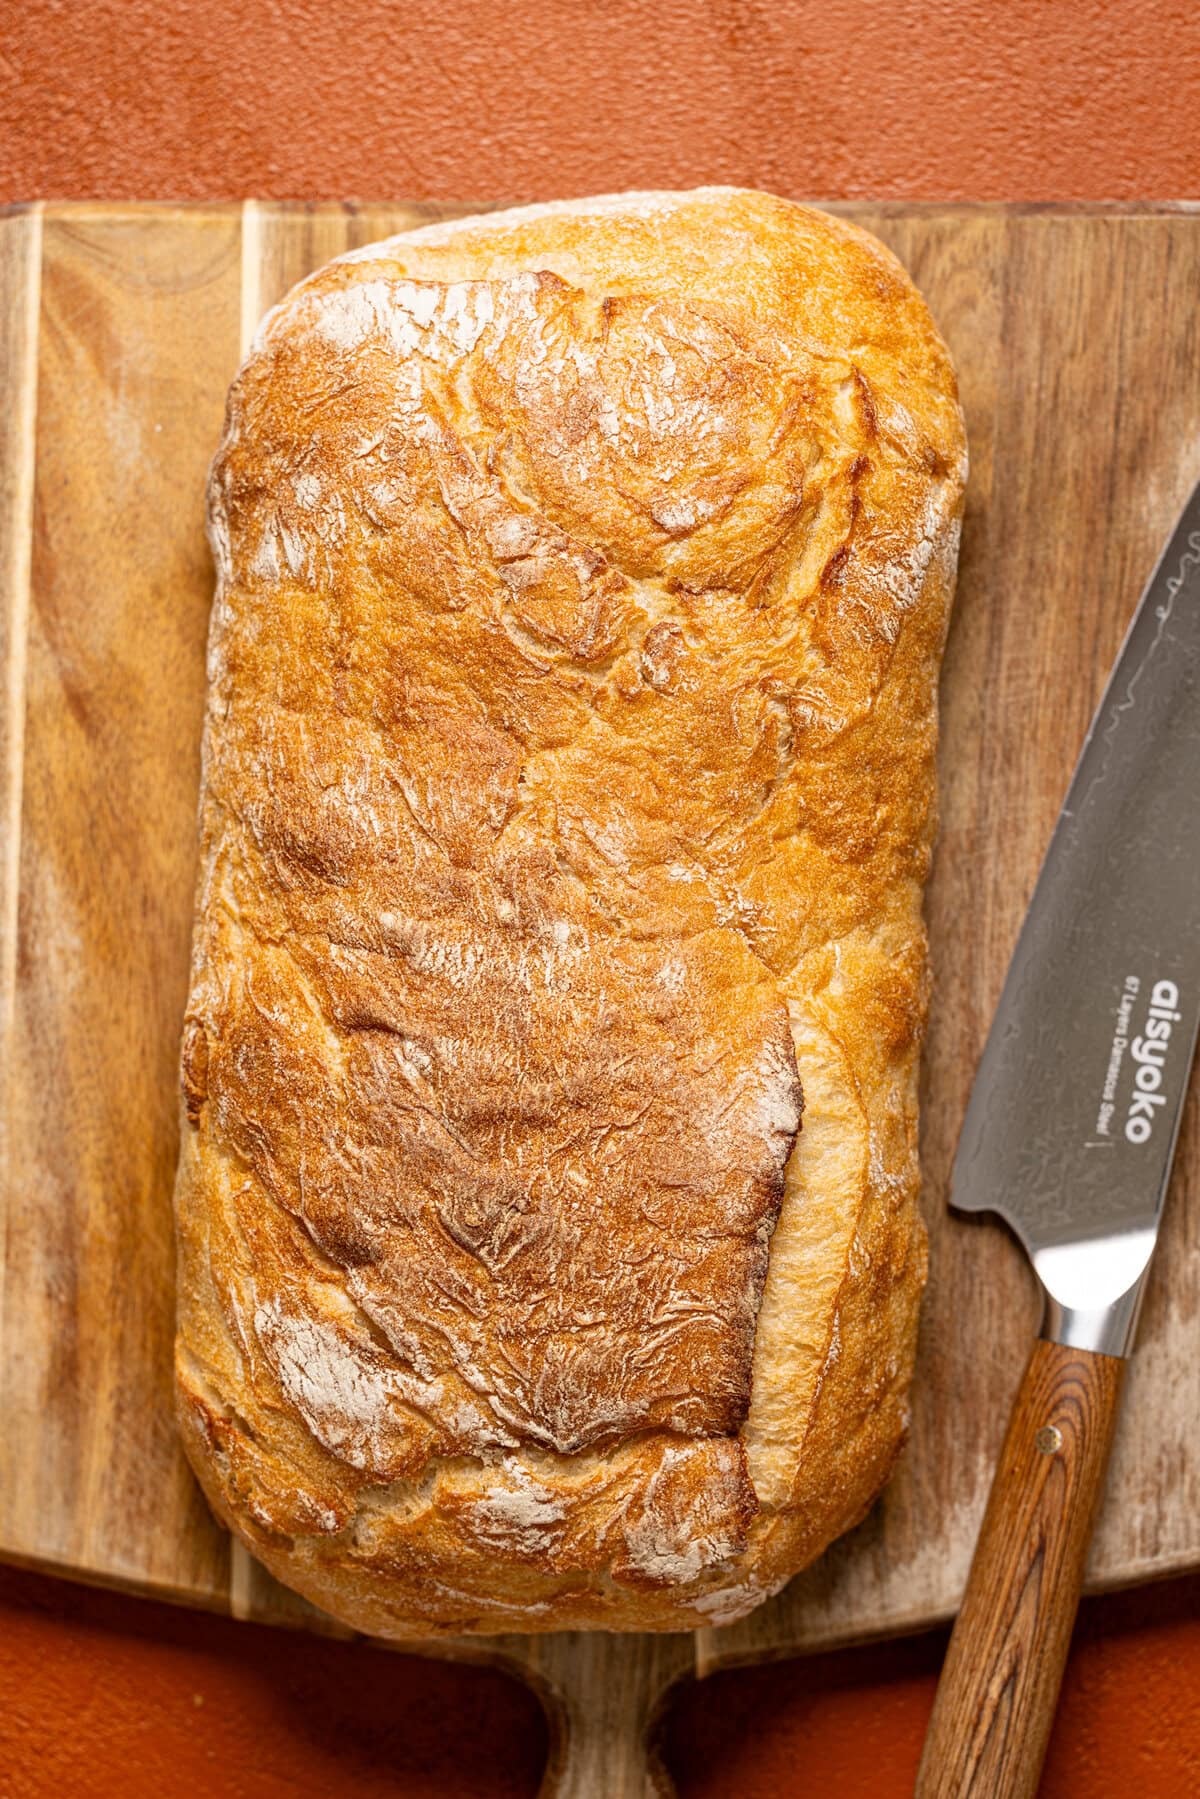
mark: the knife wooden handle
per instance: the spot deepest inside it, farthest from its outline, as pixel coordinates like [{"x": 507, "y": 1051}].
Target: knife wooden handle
[{"x": 999, "y": 1686}]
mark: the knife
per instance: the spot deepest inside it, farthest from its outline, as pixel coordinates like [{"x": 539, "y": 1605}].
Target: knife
[{"x": 1069, "y": 1137}]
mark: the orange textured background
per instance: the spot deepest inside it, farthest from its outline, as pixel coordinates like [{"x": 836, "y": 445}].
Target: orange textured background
[
  {"x": 336, "y": 99},
  {"x": 153, "y": 99}
]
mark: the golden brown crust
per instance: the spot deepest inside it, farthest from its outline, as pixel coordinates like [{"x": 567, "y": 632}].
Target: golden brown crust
[{"x": 582, "y": 580}]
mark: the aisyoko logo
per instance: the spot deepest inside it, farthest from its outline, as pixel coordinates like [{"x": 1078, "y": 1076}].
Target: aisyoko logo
[{"x": 1149, "y": 1052}]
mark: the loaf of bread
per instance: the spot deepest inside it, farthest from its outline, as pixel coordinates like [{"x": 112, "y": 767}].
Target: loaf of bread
[{"x": 549, "y": 1248}]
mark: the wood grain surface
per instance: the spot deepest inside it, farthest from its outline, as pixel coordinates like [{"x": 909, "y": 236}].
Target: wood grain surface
[
  {"x": 1077, "y": 339},
  {"x": 999, "y": 1688}
]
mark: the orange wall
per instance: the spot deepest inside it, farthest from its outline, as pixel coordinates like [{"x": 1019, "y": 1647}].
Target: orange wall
[
  {"x": 329, "y": 98},
  {"x": 459, "y": 99},
  {"x": 109, "y": 1698}
]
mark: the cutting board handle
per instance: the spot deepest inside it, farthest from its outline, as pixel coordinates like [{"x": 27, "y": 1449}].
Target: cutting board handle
[
  {"x": 604, "y": 1694},
  {"x": 999, "y": 1686},
  {"x": 596, "y": 1756}
]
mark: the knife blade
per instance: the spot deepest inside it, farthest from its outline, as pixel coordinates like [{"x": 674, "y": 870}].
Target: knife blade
[
  {"x": 1069, "y": 1136},
  {"x": 1071, "y": 1127}
]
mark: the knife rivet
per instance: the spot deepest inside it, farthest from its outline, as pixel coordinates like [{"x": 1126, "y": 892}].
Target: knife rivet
[{"x": 1048, "y": 1440}]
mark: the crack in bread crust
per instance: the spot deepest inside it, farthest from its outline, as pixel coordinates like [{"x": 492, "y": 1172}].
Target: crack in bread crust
[{"x": 583, "y": 575}]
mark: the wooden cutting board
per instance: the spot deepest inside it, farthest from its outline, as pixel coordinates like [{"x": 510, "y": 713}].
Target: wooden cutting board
[{"x": 1077, "y": 337}]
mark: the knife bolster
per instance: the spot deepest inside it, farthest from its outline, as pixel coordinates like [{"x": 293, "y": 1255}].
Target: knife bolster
[{"x": 1093, "y": 1291}]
